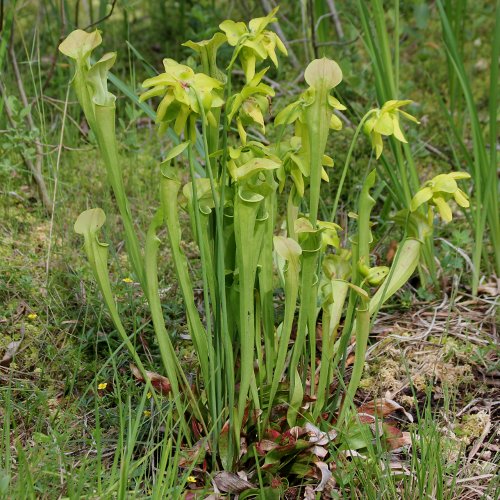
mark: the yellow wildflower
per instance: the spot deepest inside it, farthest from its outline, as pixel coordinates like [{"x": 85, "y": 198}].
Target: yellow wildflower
[
  {"x": 147, "y": 413},
  {"x": 191, "y": 479},
  {"x": 32, "y": 316},
  {"x": 102, "y": 386},
  {"x": 251, "y": 104},
  {"x": 439, "y": 190},
  {"x": 255, "y": 43},
  {"x": 149, "y": 395},
  {"x": 180, "y": 88},
  {"x": 329, "y": 236},
  {"x": 386, "y": 122},
  {"x": 127, "y": 280}
]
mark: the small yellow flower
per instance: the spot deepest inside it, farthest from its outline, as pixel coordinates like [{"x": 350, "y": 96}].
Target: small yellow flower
[
  {"x": 329, "y": 236},
  {"x": 191, "y": 479},
  {"x": 149, "y": 395},
  {"x": 180, "y": 87},
  {"x": 255, "y": 43},
  {"x": 147, "y": 413},
  {"x": 127, "y": 280},
  {"x": 439, "y": 191},
  {"x": 32, "y": 316},
  {"x": 386, "y": 122},
  {"x": 251, "y": 104},
  {"x": 102, "y": 386}
]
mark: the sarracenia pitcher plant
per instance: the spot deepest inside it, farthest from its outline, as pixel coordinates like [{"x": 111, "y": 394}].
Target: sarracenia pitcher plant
[{"x": 258, "y": 255}]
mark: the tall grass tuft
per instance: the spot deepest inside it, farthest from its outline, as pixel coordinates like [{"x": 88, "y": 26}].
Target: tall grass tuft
[
  {"x": 383, "y": 50},
  {"x": 481, "y": 165}
]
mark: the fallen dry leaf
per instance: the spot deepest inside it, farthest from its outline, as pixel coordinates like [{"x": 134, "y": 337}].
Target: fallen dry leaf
[
  {"x": 296, "y": 431},
  {"x": 159, "y": 382},
  {"x": 309, "y": 493},
  {"x": 266, "y": 445},
  {"x": 366, "y": 418},
  {"x": 382, "y": 407},
  {"x": 396, "y": 468},
  {"x": 228, "y": 482},
  {"x": 325, "y": 475},
  {"x": 319, "y": 437},
  {"x": 492, "y": 289},
  {"x": 243, "y": 446},
  {"x": 319, "y": 451},
  {"x": 10, "y": 352}
]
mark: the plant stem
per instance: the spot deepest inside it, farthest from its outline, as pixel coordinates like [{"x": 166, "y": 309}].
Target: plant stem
[
  {"x": 362, "y": 332},
  {"x": 347, "y": 163},
  {"x": 213, "y": 402}
]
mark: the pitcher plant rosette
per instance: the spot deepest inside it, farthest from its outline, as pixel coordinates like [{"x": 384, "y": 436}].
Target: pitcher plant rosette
[{"x": 269, "y": 385}]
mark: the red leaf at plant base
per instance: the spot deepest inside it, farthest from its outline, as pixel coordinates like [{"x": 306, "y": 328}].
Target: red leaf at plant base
[
  {"x": 272, "y": 434},
  {"x": 274, "y": 457},
  {"x": 224, "y": 445},
  {"x": 393, "y": 438},
  {"x": 159, "y": 382},
  {"x": 366, "y": 418},
  {"x": 197, "y": 428}
]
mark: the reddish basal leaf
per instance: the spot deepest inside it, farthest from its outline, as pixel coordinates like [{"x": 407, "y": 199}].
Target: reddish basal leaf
[
  {"x": 223, "y": 446},
  {"x": 394, "y": 439},
  {"x": 197, "y": 428},
  {"x": 274, "y": 457},
  {"x": 250, "y": 418},
  {"x": 272, "y": 434},
  {"x": 366, "y": 418}
]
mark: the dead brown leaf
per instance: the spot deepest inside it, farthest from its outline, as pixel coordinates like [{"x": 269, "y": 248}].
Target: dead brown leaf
[
  {"x": 10, "y": 352},
  {"x": 491, "y": 289},
  {"x": 159, "y": 382},
  {"x": 383, "y": 407},
  {"x": 319, "y": 437},
  {"x": 326, "y": 475},
  {"x": 228, "y": 482}
]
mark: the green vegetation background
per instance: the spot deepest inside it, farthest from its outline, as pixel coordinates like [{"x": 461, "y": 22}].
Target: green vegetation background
[{"x": 50, "y": 405}]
